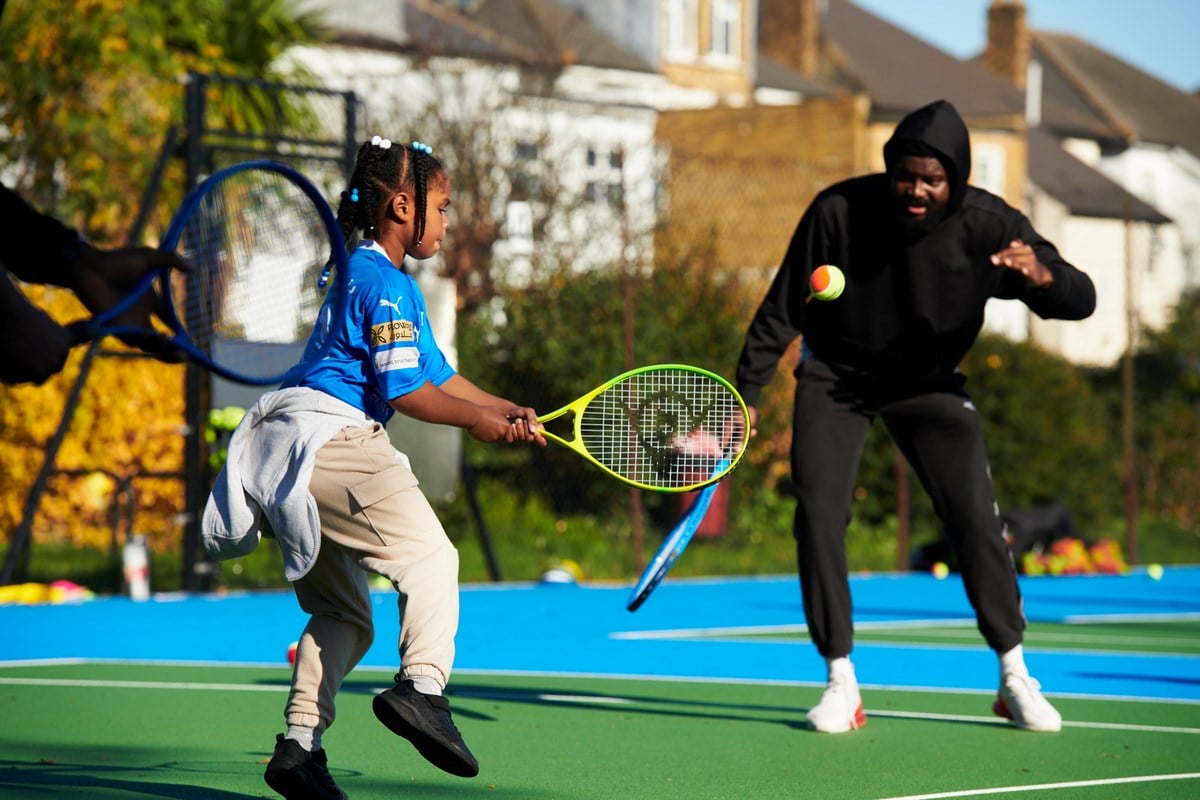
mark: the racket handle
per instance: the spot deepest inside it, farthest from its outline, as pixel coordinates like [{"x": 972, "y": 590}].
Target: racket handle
[{"x": 83, "y": 331}]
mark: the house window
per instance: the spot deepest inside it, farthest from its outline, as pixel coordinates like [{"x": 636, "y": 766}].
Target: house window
[
  {"x": 681, "y": 24},
  {"x": 518, "y": 224},
  {"x": 987, "y": 168},
  {"x": 526, "y": 183},
  {"x": 615, "y": 195},
  {"x": 526, "y": 151},
  {"x": 726, "y": 29}
]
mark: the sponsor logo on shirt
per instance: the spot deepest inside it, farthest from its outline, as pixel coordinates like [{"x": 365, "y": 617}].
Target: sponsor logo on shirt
[
  {"x": 392, "y": 332},
  {"x": 397, "y": 358}
]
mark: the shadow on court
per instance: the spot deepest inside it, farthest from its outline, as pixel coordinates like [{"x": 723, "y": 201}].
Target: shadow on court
[{"x": 55, "y": 778}]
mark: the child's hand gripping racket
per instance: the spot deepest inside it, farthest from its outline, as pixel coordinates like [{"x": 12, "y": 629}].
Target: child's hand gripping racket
[
  {"x": 261, "y": 242},
  {"x": 659, "y": 427}
]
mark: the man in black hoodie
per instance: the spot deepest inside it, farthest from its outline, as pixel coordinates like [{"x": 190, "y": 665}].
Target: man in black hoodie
[{"x": 922, "y": 252}]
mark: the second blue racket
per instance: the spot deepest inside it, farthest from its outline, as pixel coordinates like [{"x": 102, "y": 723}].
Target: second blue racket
[
  {"x": 673, "y": 546},
  {"x": 262, "y": 244}
]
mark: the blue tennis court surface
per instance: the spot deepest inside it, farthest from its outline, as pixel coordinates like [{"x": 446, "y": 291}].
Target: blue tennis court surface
[{"x": 691, "y": 629}]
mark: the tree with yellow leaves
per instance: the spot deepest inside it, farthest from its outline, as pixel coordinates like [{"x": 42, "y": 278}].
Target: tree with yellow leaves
[{"x": 91, "y": 89}]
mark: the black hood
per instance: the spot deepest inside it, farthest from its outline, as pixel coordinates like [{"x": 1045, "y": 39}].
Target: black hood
[{"x": 939, "y": 126}]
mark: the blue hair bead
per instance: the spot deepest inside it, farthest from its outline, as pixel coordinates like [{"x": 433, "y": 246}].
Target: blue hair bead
[{"x": 354, "y": 195}]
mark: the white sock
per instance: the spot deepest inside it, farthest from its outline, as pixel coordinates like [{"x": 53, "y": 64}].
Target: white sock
[
  {"x": 424, "y": 684},
  {"x": 308, "y": 738},
  {"x": 841, "y": 666},
  {"x": 1013, "y": 662}
]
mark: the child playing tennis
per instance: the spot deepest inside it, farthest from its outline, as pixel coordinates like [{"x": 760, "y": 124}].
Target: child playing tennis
[{"x": 315, "y": 458}]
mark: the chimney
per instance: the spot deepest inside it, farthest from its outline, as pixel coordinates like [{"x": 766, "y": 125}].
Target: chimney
[
  {"x": 788, "y": 33},
  {"x": 1008, "y": 42}
]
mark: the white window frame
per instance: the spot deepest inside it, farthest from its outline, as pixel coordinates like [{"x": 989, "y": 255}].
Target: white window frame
[
  {"x": 682, "y": 30},
  {"x": 725, "y": 42}
]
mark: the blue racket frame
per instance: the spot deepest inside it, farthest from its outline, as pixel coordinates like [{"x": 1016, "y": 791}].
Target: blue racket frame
[
  {"x": 675, "y": 543},
  {"x": 98, "y": 326}
]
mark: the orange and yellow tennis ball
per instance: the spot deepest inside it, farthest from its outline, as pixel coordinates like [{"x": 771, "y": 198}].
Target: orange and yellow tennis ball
[
  {"x": 940, "y": 570},
  {"x": 827, "y": 282}
]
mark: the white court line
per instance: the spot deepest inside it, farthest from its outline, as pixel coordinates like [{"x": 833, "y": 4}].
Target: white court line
[
  {"x": 517, "y": 695},
  {"x": 938, "y": 628},
  {"x": 687, "y": 633},
  {"x": 1042, "y": 643},
  {"x": 1039, "y": 787},
  {"x": 1117, "y": 726},
  {"x": 74, "y": 682},
  {"x": 960, "y": 632},
  {"x": 619, "y": 676},
  {"x": 238, "y": 687},
  {"x": 560, "y": 698},
  {"x": 1075, "y": 619}
]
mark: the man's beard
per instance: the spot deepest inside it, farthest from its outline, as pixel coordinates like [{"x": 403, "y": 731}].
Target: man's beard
[{"x": 912, "y": 228}]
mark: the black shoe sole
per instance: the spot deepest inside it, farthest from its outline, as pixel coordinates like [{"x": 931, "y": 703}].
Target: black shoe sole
[
  {"x": 288, "y": 785},
  {"x": 399, "y": 719}
]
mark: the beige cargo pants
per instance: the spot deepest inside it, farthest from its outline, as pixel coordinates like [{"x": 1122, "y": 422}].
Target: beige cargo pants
[{"x": 375, "y": 519}]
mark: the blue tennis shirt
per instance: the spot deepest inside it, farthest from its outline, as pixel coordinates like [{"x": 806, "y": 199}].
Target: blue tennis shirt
[{"x": 382, "y": 348}]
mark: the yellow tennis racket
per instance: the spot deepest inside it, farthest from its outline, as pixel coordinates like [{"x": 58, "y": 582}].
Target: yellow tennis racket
[{"x": 664, "y": 427}]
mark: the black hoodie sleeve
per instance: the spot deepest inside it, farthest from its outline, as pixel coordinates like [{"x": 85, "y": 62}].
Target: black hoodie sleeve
[
  {"x": 1071, "y": 296},
  {"x": 35, "y": 247}
]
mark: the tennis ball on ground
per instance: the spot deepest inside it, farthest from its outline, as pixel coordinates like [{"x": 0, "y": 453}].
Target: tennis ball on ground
[
  {"x": 827, "y": 282},
  {"x": 573, "y": 568},
  {"x": 940, "y": 570},
  {"x": 1155, "y": 571},
  {"x": 291, "y": 653}
]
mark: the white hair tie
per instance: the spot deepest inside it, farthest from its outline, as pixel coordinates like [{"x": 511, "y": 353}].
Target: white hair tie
[{"x": 381, "y": 143}]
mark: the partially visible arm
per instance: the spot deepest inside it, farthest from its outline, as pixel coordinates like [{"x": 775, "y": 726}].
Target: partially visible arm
[
  {"x": 34, "y": 246},
  {"x": 430, "y": 404},
  {"x": 1038, "y": 276},
  {"x": 524, "y": 417},
  {"x": 39, "y": 249},
  {"x": 460, "y": 403},
  {"x": 465, "y": 389},
  {"x": 33, "y": 347}
]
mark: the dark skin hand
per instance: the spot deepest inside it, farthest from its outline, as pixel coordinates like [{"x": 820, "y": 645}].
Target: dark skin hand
[
  {"x": 102, "y": 277},
  {"x": 1020, "y": 257}
]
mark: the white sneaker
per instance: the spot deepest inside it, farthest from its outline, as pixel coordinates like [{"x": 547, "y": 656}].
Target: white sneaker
[
  {"x": 1020, "y": 699},
  {"x": 840, "y": 709}
]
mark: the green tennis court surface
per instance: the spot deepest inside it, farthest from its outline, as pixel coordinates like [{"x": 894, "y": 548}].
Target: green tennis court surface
[{"x": 563, "y": 694}]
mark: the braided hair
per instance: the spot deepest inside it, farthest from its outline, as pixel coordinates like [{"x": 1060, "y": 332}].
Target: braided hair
[{"x": 382, "y": 169}]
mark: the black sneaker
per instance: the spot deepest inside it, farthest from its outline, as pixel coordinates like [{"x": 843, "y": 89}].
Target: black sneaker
[
  {"x": 424, "y": 719},
  {"x": 300, "y": 775}
]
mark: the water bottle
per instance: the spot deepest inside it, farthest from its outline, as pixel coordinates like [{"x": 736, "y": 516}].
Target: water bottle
[{"x": 136, "y": 559}]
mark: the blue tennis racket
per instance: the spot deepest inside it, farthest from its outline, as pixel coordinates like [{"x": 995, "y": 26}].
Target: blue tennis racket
[
  {"x": 267, "y": 262},
  {"x": 673, "y": 546}
]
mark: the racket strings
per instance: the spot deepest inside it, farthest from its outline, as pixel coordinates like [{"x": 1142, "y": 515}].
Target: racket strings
[
  {"x": 256, "y": 243},
  {"x": 663, "y": 428}
]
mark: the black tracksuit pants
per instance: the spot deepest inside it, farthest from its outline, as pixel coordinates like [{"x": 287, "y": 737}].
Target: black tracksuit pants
[{"x": 940, "y": 433}]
